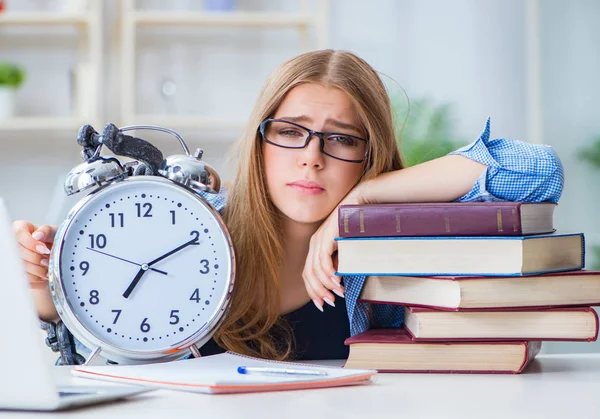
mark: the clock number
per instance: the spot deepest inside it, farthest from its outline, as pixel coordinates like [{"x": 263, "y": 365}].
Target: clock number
[
  {"x": 195, "y": 233},
  {"x": 174, "y": 316},
  {"x": 206, "y": 268},
  {"x": 120, "y": 217},
  {"x": 94, "y": 297},
  {"x": 99, "y": 241},
  {"x": 145, "y": 327},
  {"x": 195, "y": 296},
  {"x": 117, "y": 316},
  {"x": 84, "y": 266},
  {"x": 173, "y": 217},
  {"x": 147, "y": 206}
]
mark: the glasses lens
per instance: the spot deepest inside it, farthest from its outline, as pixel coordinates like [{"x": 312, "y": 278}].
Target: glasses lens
[
  {"x": 285, "y": 134},
  {"x": 289, "y": 135},
  {"x": 345, "y": 147}
]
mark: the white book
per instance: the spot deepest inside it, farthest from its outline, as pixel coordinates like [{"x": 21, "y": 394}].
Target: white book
[{"x": 219, "y": 374}]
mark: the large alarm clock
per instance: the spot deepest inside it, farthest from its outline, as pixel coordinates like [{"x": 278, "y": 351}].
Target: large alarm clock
[{"x": 142, "y": 267}]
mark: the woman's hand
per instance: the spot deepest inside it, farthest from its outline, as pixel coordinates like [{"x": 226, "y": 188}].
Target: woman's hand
[
  {"x": 34, "y": 246},
  {"x": 319, "y": 270}
]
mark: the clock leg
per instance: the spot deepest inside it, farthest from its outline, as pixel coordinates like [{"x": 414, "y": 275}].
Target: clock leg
[
  {"x": 195, "y": 351},
  {"x": 93, "y": 355}
]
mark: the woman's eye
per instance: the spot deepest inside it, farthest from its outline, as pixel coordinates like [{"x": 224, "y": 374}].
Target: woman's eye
[
  {"x": 342, "y": 140},
  {"x": 290, "y": 133}
]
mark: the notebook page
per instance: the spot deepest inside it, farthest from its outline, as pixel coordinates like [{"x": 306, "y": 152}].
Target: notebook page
[{"x": 219, "y": 372}]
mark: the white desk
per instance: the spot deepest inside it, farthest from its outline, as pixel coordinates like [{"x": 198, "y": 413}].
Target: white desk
[{"x": 554, "y": 386}]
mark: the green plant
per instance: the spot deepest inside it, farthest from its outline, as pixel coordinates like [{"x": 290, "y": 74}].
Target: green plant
[
  {"x": 424, "y": 130},
  {"x": 591, "y": 154},
  {"x": 11, "y": 75}
]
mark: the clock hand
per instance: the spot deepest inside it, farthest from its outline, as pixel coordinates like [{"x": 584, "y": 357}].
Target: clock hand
[
  {"x": 177, "y": 249},
  {"x": 135, "y": 281},
  {"x": 146, "y": 266},
  {"x": 125, "y": 260}
]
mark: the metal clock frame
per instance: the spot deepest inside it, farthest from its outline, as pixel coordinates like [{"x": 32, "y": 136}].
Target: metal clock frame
[{"x": 114, "y": 353}]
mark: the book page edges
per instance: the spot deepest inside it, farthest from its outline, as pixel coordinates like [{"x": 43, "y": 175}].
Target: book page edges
[
  {"x": 520, "y": 354},
  {"x": 443, "y": 293},
  {"x": 540, "y": 254},
  {"x": 586, "y": 315}
]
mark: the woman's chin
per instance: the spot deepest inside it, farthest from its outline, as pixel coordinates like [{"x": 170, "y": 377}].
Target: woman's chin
[{"x": 305, "y": 217}]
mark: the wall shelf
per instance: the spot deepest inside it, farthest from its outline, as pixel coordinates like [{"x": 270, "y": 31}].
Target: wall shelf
[
  {"x": 221, "y": 18},
  {"x": 42, "y": 123},
  {"x": 43, "y": 19},
  {"x": 133, "y": 18},
  {"x": 190, "y": 121},
  {"x": 88, "y": 70}
]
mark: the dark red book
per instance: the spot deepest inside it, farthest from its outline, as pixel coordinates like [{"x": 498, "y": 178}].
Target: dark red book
[
  {"x": 564, "y": 324},
  {"x": 446, "y": 219},
  {"x": 393, "y": 350},
  {"x": 462, "y": 293}
]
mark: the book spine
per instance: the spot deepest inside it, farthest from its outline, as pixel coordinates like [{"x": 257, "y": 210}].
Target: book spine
[
  {"x": 531, "y": 351},
  {"x": 414, "y": 220}
]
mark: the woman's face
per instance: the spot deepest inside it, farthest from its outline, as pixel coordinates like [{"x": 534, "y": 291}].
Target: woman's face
[{"x": 305, "y": 184}]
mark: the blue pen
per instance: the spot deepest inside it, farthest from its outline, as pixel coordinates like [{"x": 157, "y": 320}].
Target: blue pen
[{"x": 280, "y": 371}]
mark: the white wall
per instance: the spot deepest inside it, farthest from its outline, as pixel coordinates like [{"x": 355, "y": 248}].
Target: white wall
[
  {"x": 571, "y": 88},
  {"x": 458, "y": 51},
  {"x": 467, "y": 52}
]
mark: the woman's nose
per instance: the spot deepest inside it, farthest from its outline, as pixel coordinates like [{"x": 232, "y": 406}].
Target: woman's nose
[{"x": 311, "y": 154}]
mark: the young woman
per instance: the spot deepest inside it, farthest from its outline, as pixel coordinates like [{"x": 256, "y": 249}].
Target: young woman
[{"x": 321, "y": 134}]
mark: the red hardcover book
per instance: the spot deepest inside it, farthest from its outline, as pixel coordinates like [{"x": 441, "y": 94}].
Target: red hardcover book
[
  {"x": 561, "y": 324},
  {"x": 465, "y": 293},
  {"x": 445, "y": 219},
  {"x": 393, "y": 350}
]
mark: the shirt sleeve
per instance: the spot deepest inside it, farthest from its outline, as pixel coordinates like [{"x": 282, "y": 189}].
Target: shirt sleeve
[
  {"x": 516, "y": 171},
  {"x": 381, "y": 315},
  {"x": 217, "y": 200},
  {"x": 387, "y": 315}
]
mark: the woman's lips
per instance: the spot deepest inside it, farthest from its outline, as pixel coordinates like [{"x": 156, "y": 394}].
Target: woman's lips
[{"x": 307, "y": 187}]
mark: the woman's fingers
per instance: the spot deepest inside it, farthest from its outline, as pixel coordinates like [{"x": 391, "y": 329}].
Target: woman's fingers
[
  {"x": 33, "y": 257},
  {"x": 24, "y": 231},
  {"x": 315, "y": 292},
  {"x": 323, "y": 265},
  {"x": 38, "y": 271},
  {"x": 320, "y": 281},
  {"x": 45, "y": 234},
  {"x": 34, "y": 248},
  {"x": 36, "y": 283}
]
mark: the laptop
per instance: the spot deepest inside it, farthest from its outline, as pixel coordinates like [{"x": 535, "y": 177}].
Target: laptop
[{"x": 26, "y": 377}]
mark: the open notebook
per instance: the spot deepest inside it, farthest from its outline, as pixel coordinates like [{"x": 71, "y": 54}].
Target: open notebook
[{"x": 219, "y": 374}]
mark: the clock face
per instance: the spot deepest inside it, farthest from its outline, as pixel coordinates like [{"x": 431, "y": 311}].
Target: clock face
[{"x": 145, "y": 265}]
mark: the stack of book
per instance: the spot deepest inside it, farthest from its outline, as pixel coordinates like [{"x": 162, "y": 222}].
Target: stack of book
[{"x": 482, "y": 284}]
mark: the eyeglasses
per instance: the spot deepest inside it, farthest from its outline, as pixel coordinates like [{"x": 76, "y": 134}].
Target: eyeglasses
[{"x": 286, "y": 134}]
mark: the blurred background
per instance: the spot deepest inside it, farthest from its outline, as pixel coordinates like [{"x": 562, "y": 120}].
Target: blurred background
[{"x": 197, "y": 66}]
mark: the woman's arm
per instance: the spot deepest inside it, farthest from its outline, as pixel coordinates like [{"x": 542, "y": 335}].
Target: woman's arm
[
  {"x": 485, "y": 170},
  {"x": 441, "y": 180}
]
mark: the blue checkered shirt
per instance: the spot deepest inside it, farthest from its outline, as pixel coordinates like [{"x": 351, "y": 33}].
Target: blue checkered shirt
[{"x": 516, "y": 171}]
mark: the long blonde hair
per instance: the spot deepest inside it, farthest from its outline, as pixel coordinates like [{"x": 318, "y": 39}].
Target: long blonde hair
[{"x": 252, "y": 325}]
